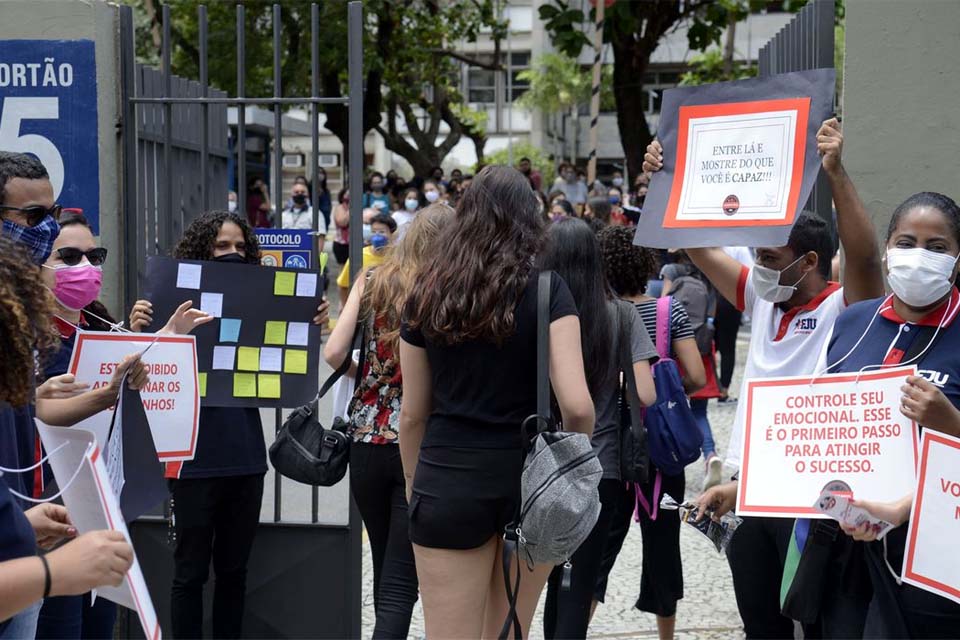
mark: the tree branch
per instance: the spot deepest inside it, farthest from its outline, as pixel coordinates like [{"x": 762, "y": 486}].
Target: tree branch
[{"x": 474, "y": 62}]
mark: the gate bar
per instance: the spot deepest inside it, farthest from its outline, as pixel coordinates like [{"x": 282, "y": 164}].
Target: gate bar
[
  {"x": 204, "y": 109},
  {"x": 315, "y": 202},
  {"x": 241, "y": 112},
  {"x": 169, "y": 234},
  {"x": 278, "y": 203}
]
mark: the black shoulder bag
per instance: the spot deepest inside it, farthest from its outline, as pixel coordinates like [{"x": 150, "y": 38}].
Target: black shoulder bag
[
  {"x": 634, "y": 455},
  {"x": 307, "y": 452}
]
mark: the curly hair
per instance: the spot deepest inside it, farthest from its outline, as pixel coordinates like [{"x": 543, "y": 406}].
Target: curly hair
[
  {"x": 628, "y": 267},
  {"x": 481, "y": 263},
  {"x": 199, "y": 238},
  {"x": 26, "y": 307},
  {"x": 387, "y": 290}
]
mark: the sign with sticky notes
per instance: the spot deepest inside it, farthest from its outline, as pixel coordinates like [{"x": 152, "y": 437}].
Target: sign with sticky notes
[{"x": 262, "y": 349}]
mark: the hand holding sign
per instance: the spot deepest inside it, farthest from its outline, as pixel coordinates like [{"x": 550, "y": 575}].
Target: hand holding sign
[
  {"x": 61, "y": 387},
  {"x": 183, "y": 321},
  {"x": 830, "y": 145},
  {"x": 93, "y": 560},
  {"x": 50, "y": 523},
  {"x": 925, "y": 404},
  {"x": 894, "y": 513}
]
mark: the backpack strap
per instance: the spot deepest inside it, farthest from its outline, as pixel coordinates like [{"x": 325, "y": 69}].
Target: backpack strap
[
  {"x": 664, "y": 309},
  {"x": 626, "y": 365},
  {"x": 543, "y": 346},
  {"x": 510, "y": 538}
]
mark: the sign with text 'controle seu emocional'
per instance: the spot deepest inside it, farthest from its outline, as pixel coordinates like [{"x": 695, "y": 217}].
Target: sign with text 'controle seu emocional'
[{"x": 48, "y": 108}]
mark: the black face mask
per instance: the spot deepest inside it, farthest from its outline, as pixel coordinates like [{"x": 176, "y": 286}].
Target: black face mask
[
  {"x": 299, "y": 199},
  {"x": 234, "y": 258}
]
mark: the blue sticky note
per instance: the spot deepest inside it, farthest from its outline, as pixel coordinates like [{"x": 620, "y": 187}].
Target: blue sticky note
[{"x": 229, "y": 330}]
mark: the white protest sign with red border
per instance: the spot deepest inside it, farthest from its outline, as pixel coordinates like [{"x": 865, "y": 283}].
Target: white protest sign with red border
[
  {"x": 172, "y": 397},
  {"x": 930, "y": 560},
  {"x": 79, "y": 469},
  {"x": 801, "y": 433}
]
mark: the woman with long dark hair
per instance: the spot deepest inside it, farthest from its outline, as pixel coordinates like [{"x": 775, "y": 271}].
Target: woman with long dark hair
[
  {"x": 572, "y": 252},
  {"x": 468, "y": 353},
  {"x": 376, "y": 474}
]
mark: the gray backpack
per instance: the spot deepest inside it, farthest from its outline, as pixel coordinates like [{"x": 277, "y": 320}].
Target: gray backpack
[{"x": 559, "y": 502}]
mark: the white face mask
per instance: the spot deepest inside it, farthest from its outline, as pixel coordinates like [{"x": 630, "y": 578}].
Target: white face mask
[
  {"x": 411, "y": 204},
  {"x": 766, "y": 283},
  {"x": 231, "y": 206},
  {"x": 617, "y": 182},
  {"x": 919, "y": 277},
  {"x": 432, "y": 196}
]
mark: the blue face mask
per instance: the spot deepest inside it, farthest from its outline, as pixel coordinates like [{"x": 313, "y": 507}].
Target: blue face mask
[
  {"x": 378, "y": 241},
  {"x": 37, "y": 240},
  {"x": 614, "y": 199}
]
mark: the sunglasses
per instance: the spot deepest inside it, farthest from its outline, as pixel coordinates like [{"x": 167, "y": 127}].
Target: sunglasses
[
  {"x": 35, "y": 215},
  {"x": 72, "y": 256}
]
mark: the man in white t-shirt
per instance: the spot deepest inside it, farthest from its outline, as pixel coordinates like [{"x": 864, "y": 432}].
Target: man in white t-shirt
[{"x": 793, "y": 306}]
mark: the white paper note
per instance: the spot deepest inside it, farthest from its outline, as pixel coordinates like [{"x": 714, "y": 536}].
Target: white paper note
[
  {"x": 188, "y": 276},
  {"x": 212, "y": 303},
  {"x": 224, "y": 357},
  {"x": 271, "y": 359},
  {"x": 297, "y": 334},
  {"x": 306, "y": 285}
]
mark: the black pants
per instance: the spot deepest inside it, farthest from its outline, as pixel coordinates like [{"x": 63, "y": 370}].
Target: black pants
[
  {"x": 376, "y": 479},
  {"x": 757, "y": 554},
  {"x": 213, "y": 518},
  {"x": 727, "y": 324},
  {"x": 567, "y": 611}
]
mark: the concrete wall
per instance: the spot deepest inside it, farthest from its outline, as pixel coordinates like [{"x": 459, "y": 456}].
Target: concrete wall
[
  {"x": 901, "y": 92},
  {"x": 98, "y": 21}
]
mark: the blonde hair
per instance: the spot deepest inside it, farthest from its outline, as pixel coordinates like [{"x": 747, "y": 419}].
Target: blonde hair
[{"x": 390, "y": 283}]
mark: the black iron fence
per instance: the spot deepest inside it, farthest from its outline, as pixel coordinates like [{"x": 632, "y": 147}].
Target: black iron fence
[{"x": 304, "y": 578}]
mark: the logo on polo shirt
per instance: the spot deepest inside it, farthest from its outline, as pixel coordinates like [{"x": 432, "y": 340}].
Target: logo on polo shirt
[
  {"x": 806, "y": 325},
  {"x": 935, "y": 378}
]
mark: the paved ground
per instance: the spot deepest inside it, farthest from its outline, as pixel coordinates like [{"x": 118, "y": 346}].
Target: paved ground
[{"x": 708, "y": 610}]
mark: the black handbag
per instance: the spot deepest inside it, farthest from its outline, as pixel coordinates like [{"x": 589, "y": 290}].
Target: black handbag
[
  {"x": 634, "y": 454},
  {"x": 307, "y": 452}
]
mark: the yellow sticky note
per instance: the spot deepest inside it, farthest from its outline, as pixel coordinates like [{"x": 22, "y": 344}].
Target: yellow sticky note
[
  {"x": 324, "y": 256},
  {"x": 295, "y": 361},
  {"x": 245, "y": 385},
  {"x": 248, "y": 359},
  {"x": 284, "y": 283},
  {"x": 269, "y": 385},
  {"x": 276, "y": 332},
  {"x": 202, "y": 381}
]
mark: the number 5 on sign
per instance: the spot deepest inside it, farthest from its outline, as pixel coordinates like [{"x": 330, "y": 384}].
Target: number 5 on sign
[{"x": 16, "y": 110}]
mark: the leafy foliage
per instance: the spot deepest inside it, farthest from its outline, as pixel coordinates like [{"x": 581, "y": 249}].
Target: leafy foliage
[
  {"x": 709, "y": 66},
  {"x": 539, "y": 159}
]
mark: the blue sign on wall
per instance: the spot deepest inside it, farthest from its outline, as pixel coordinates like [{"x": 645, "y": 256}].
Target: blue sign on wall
[
  {"x": 48, "y": 108},
  {"x": 288, "y": 248}
]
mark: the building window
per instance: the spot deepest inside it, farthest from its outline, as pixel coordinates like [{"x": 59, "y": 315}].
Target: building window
[
  {"x": 519, "y": 62},
  {"x": 481, "y": 85}
]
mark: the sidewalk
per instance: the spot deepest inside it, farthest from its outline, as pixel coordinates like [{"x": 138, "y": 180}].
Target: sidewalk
[{"x": 708, "y": 610}]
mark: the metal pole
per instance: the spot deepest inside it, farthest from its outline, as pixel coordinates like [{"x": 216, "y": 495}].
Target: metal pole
[
  {"x": 168, "y": 232},
  {"x": 355, "y": 138},
  {"x": 278, "y": 202},
  {"x": 133, "y": 248},
  {"x": 509, "y": 92},
  {"x": 204, "y": 110},
  {"x": 315, "y": 149},
  {"x": 241, "y": 113},
  {"x": 595, "y": 94}
]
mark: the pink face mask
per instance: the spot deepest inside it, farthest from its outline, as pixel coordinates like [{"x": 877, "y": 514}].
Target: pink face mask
[{"x": 77, "y": 286}]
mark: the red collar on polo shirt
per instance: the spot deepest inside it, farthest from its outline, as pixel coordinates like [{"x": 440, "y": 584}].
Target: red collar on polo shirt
[
  {"x": 792, "y": 313},
  {"x": 65, "y": 328},
  {"x": 932, "y": 319}
]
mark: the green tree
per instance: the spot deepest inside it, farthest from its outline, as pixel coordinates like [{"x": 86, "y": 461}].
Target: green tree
[
  {"x": 410, "y": 67},
  {"x": 539, "y": 160},
  {"x": 558, "y": 85},
  {"x": 712, "y": 66}
]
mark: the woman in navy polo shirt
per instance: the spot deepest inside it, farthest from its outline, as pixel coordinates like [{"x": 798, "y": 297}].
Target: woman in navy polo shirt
[
  {"x": 217, "y": 495},
  {"x": 916, "y": 325}
]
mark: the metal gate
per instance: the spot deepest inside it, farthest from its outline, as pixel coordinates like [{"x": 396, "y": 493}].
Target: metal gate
[
  {"x": 304, "y": 578},
  {"x": 805, "y": 43}
]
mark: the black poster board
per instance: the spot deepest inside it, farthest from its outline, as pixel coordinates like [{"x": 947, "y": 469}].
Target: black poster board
[{"x": 263, "y": 349}]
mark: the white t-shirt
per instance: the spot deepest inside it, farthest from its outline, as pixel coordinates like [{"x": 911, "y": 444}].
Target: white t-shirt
[
  {"x": 782, "y": 344},
  {"x": 302, "y": 219},
  {"x": 402, "y": 216}
]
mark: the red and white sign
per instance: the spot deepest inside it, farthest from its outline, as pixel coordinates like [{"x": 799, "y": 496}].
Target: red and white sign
[
  {"x": 79, "y": 469},
  {"x": 171, "y": 398},
  {"x": 800, "y": 434},
  {"x": 738, "y": 164},
  {"x": 931, "y": 561}
]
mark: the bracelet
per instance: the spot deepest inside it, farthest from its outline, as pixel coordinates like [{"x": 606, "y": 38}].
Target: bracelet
[{"x": 46, "y": 576}]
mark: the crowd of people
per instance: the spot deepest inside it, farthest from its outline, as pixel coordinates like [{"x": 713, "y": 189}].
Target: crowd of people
[{"x": 446, "y": 310}]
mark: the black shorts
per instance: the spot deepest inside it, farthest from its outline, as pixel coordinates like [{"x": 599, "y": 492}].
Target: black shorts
[
  {"x": 462, "y": 497},
  {"x": 341, "y": 252}
]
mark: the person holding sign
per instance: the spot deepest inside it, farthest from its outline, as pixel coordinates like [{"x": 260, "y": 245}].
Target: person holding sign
[
  {"x": 95, "y": 559},
  {"x": 217, "y": 495},
  {"x": 917, "y": 325},
  {"x": 73, "y": 274},
  {"x": 794, "y": 306}
]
